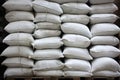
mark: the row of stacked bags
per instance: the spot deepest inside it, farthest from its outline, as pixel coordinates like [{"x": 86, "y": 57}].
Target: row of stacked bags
[{"x": 75, "y": 38}]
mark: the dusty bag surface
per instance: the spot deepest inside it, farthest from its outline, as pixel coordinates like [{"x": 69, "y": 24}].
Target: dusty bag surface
[{"x": 100, "y": 1}]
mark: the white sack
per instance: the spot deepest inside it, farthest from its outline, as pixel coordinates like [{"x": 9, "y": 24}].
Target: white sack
[
  {"x": 75, "y": 8},
  {"x": 77, "y": 53},
  {"x": 17, "y": 51},
  {"x": 72, "y": 40},
  {"x": 20, "y": 26},
  {"x": 103, "y": 8},
  {"x": 47, "y": 54},
  {"x": 103, "y": 18},
  {"x": 44, "y": 33},
  {"x": 47, "y": 17},
  {"x": 18, "y": 62},
  {"x": 100, "y": 1},
  {"x": 48, "y": 25},
  {"x": 76, "y": 28},
  {"x": 18, "y": 5},
  {"x": 105, "y": 29},
  {"x": 105, "y": 40},
  {"x": 48, "y": 65},
  {"x": 18, "y": 39},
  {"x": 43, "y": 6},
  {"x": 18, "y": 72},
  {"x": 19, "y": 16},
  {"x": 104, "y": 51},
  {"x": 46, "y": 43},
  {"x": 83, "y": 19},
  {"x": 105, "y": 64}
]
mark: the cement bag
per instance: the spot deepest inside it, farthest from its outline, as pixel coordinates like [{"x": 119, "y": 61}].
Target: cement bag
[
  {"x": 101, "y": 1},
  {"x": 77, "y": 53},
  {"x": 103, "y": 18},
  {"x": 75, "y": 8},
  {"x": 47, "y": 43},
  {"x": 48, "y": 25},
  {"x": 76, "y": 28},
  {"x": 43, "y": 6},
  {"x": 19, "y": 16},
  {"x": 17, "y": 51},
  {"x": 18, "y": 72},
  {"x": 67, "y": 1},
  {"x": 17, "y": 5},
  {"x": 105, "y": 29},
  {"x": 77, "y": 65},
  {"x": 18, "y": 62},
  {"x": 20, "y": 26},
  {"x": 53, "y": 73},
  {"x": 43, "y": 33},
  {"x": 103, "y": 8},
  {"x": 48, "y": 65},
  {"x": 105, "y": 64},
  {"x": 47, "y": 17},
  {"x": 72, "y": 40},
  {"x": 18, "y": 39},
  {"x": 47, "y": 54},
  {"x": 83, "y": 19},
  {"x": 104, "y": 51},
  {"x": 105, "y": 40},
  {"x": 106, "y": 74},
  {"x": 77, "y": 74}
]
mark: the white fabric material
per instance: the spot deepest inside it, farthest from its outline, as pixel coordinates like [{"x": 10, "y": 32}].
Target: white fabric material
[
  {"x": 77, "y": 53},
  {"x": 17, "y": 51},
  {"x": 104, "y": 51},
  {"x": 103, "y": 8},
  {"x": 18, "y": 62},
  {"x": 75, "y": 8},
  {"x": 105, "y": 40},
  {"x": 18, "y": 39},
  {"x": 11, "y": 5},
  {"x": 103, "y": 18},
  {"x": 77, "y": 65},
  {"x": 105, "y": 29},
  {"x": 47, "y": 54},
  {"x": 49, "y": 73},
  {"x": 76, "y": 28},
  {"x": 72, "y": 40},
  {"x": 19, "y": 16},
  {"x": 43, "y": 33},
  {"x": 100, "y": 1},
  {"x": 48, "y": 25},
  {"x": 46, "y": 43},
  {"x": 48, "y": 65},
  {"x": 83, "y": 19},
  {"x": 105, "y": 63},
  {"x": 43, "y": 6},
  {"x": 47, "y": 17},
  {"x": 20, "y": 26},
  {"x": 77, "y": 74},
  {"x": 18, "y": 72}
]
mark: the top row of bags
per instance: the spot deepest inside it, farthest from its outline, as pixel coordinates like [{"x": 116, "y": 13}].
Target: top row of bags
[{"x": 68, "y": 6}]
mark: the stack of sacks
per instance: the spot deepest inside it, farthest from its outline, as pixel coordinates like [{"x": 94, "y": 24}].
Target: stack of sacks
[
  {"x": 103, "y": 30},
  {"x": 76, "y": 38},
  {"x": 20, "y": 38},
  {"x": 47, "y": 34}
]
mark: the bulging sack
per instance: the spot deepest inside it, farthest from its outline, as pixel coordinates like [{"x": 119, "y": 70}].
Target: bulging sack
[
  {"x": 72, "y": 40},
  {"x": 20, "y": 26},
  {"x": 43, "y": 6},
  {"x": 100, "y": 1},
  {"x": 76, "y": 28},
  {"x": 19, "y": 39},
  {"x": 83, "y": 19},
  {"x": 19, "y": 16},
  {"x": 75, "y": 8},
  {"x": 104, "y": 51}
]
